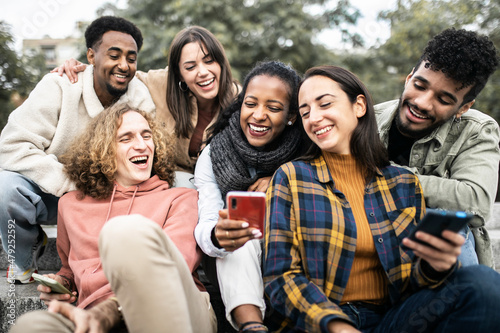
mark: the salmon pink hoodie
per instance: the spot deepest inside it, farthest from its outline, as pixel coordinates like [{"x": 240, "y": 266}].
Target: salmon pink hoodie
[{"x": 80, "y": 221}]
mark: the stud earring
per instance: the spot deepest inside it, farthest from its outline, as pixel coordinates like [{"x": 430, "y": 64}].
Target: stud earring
[{"x": 289, "y": 123}]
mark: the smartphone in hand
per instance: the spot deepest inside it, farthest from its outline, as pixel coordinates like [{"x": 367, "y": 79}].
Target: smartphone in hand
[
  {"x": 247, "y": 206},
  {"x": 436, "y": 221},
  {"x": 55, "y": 286}
]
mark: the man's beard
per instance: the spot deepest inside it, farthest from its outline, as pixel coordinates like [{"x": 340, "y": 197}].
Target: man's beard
[
  {"x": 411, "y": 133},
  {"x": 115, "y": 91}
]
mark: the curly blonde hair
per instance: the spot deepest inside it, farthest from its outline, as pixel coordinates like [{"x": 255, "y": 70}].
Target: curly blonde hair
[{"x": 90, "y": 161}]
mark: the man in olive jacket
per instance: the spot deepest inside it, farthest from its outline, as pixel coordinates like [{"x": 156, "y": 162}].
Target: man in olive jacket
[{"x": 433, "y": 131}]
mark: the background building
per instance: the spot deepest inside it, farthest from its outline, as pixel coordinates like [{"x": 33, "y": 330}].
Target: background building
[{"x": 55, "y": 51}]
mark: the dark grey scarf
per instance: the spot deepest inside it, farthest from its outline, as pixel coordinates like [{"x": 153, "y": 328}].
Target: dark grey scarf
[{"x": 232, "y": 156}]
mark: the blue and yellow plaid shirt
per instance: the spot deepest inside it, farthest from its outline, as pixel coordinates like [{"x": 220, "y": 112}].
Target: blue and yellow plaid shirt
[{"x": 311, "y": 240}]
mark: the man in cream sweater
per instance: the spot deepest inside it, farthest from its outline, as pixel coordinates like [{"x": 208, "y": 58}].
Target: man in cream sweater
[{"x": 41, "y": 129}]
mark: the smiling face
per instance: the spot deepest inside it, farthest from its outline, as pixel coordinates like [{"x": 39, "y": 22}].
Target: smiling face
[
  {"x": 429, "y": 100},
  {"x": 328, "y": 116},
  {"x": 134, "y": 150},
  {"x": 265, "y": 110},
  {"x": 200, "y": 72},
  {"x": 115, "y": 64}
]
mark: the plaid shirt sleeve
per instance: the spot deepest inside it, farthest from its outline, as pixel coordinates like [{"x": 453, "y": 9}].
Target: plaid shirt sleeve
[{"x": 290, "y": 291}]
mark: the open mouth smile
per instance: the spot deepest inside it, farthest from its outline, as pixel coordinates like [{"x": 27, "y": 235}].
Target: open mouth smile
[
  {"x": 206, "y": 83},
  {"x": 416, "y": 114},
  {"x": 323, "y": 130},
  {"x": 120, "y": 78},
  {"x": 259, "y": 128},
  {"x": 140, "y": 160}
]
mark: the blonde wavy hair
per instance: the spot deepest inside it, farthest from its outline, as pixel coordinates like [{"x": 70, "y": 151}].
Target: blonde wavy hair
[{"x": 90, "y": 161}]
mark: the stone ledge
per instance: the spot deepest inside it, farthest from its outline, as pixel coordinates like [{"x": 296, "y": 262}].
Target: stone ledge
[
  {"x": 495, "y": 244},
  {"x": 17, "y": 299},
  {"x": 494, "y": 221}
]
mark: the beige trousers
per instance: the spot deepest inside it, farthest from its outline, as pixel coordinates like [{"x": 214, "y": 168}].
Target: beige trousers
[{"x": 150, "y": 278}]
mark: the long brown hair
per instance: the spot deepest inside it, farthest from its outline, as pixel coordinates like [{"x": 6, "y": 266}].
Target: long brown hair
[
  {"x": 91, "y": 159},
  {"x": 178, "y": 101},
  {"x": 366, "y": 146}
]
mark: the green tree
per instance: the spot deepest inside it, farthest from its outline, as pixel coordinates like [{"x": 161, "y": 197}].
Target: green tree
[
  {"x": 414, "y": 22},
  {"x": 250, "y": 30},
  {"x": 489, "y": 22},
  {"x": 17, "y": 74}
]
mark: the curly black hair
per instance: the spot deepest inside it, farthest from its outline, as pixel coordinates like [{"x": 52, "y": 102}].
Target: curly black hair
[
  {"x": 273, "y": 68},
  {"x": 94, "y": 32},
  {"x": 463, "y": 56}
]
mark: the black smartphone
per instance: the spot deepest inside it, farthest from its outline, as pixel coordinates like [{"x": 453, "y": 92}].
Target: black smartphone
[{"x": 436, "y": 221}]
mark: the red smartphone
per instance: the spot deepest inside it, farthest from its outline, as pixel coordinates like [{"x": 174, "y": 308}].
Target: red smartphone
[{"x": 247, "y": 206}]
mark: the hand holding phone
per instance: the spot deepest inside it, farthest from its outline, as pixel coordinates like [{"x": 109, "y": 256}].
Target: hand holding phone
[
  {"x": 247, "y": 206},
  {"x": 436, "y": 221},
  {"x": 55, "y": 286}
]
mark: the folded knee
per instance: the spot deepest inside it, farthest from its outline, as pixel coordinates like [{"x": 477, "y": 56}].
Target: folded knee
[
  {"x": 11, "y": 185},
  {"x": 126, "y": 232},
  {"x": 480, "y": 280}
]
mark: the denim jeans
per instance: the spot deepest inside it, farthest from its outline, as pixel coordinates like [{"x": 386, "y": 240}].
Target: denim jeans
[
  {"x": 468, "y": 256},
  {"x": 25, "y": 205},
  {"x": 469, "y": 301}
]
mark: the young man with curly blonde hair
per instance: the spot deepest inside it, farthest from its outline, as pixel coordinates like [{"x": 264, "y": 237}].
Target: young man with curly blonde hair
[{"x": 125, "y": 237}]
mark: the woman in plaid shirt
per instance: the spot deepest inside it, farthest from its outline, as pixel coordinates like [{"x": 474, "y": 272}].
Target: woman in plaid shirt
[{"x": 336, "y": 222}]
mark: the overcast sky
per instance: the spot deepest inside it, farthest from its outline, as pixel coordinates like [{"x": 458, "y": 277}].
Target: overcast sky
[{"x": 32, "y": 19}]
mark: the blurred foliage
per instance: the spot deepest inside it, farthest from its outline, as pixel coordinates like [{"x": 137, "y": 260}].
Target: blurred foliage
[
  {"x": 250, "y": 30},
  {"x": 489, "y": 22},
  {"x": 18, "y": 74}
]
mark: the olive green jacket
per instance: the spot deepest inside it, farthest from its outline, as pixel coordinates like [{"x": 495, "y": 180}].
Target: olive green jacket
[{"x": 457, "y": 165}]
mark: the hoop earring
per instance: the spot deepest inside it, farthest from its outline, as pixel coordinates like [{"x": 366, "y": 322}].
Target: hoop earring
[{"x": 181, "y": 87}]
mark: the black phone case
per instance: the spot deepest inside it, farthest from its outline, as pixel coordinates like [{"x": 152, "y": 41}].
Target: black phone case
[{"x": 436, "y": 221}]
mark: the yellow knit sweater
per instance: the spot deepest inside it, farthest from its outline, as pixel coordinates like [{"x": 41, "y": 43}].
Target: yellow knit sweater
[{"x": 367, "y": 280}]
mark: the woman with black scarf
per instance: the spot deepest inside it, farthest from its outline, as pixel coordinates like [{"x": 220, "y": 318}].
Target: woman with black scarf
[{"x": 260, "y": 131}]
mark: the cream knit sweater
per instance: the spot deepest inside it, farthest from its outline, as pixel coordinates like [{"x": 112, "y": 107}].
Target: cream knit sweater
[{"x": 40, "y": 130}]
